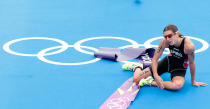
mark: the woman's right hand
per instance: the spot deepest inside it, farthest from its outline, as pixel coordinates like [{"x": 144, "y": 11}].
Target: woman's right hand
[{"x": 159, "y": 82}]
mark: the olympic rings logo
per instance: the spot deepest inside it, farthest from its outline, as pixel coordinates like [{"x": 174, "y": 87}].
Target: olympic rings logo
[{"x": 77, "y": 46}]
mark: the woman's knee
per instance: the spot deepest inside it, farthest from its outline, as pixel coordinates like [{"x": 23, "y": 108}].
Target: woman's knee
[
  {"x": 178, "y": 82},
  {"x": 178, "y": 85}
]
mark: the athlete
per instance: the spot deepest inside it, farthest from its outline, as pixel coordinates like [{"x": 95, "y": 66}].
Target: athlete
[{"x": 182, "y": 53}]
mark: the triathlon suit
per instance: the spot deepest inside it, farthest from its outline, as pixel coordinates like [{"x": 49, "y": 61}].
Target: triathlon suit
[{"x": 175, "y": 63}]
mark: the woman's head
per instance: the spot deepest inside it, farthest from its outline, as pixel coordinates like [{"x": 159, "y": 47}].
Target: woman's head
[
  {"x": 171, "y": 27},
  {"x": 171, "y": 34}
]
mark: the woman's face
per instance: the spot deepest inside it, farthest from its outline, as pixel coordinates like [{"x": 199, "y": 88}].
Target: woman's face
[{"x": 170, "y": 37}]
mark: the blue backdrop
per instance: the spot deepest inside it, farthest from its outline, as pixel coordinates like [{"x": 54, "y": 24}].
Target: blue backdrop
[{"x": 29, "y": 83}]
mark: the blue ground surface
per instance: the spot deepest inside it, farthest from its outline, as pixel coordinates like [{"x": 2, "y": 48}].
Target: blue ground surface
[{"x": 28, "y": 83}]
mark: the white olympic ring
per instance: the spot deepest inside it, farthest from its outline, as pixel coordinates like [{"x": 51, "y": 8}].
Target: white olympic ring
[
  {"x": 42, "y": 58},
  {"x": 77, "y": 44},
  {"x": 64, "y": 46},
  {"x": 6, "y": 46}
]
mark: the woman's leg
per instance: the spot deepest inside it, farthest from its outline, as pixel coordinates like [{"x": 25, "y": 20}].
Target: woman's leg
[
  {"x": 141, "y": 74},
  {"x": 176, "y": 83}
]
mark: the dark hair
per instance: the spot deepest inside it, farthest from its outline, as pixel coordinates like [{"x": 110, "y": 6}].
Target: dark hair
[{"x": 173, "y": 28}]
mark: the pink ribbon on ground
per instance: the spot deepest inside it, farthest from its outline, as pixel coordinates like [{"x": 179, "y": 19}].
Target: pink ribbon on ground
[{"x": 122, "y": 98}]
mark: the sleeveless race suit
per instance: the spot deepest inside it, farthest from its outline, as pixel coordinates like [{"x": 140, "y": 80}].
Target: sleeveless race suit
[{"x": 175, "y": 63}]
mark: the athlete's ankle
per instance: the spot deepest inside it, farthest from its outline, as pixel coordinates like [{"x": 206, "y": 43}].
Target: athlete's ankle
[{"x": 154, "y": 83}]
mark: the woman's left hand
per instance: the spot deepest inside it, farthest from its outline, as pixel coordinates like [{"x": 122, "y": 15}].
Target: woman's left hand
[{"x": 198, "y": 84}]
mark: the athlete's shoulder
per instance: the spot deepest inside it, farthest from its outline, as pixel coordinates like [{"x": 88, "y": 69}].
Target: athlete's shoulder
[{"x": 189, "y": 46}]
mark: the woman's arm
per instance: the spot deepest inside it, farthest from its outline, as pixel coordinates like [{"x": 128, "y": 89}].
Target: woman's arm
[
  {"x": 190, "y": 49},
  {"x": 158, "y": 52}
]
